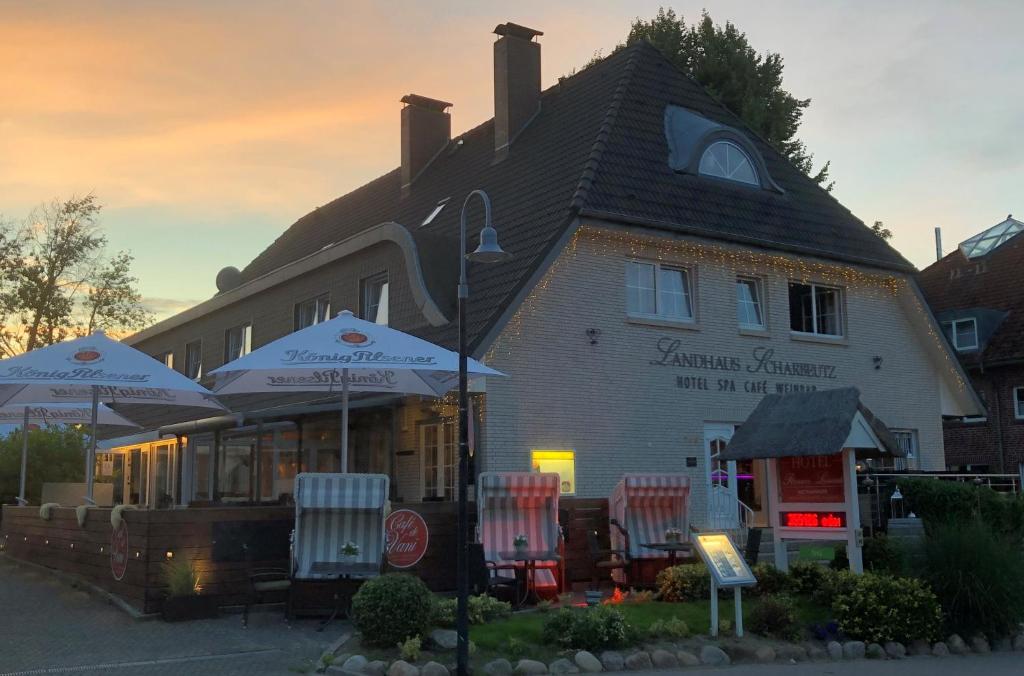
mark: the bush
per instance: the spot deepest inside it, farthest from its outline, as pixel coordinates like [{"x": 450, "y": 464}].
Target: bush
[
  {"x": 976, "y": 575},
  {"x": 880, "y": 608},
  {"x": 443, "y": 612},
  {"x": 949, "y": 502},
  {"x": 392, "y": 608},
  {"x": 775, "y": 617},
  {"x": 689, "y": 582},
  {"x": 770, "y": 580},
  {"x": 672, "y": 628},
  {"x": 882, "y": 555},
  {"x": 592, "y": 629},
  {"x": 806, "y": 577},
  {"x": 833, "y": 584},
  {"x": 180, "y": 577},
  {"x": 409, "y": 649},
  {"x": 482, "y": 609}
]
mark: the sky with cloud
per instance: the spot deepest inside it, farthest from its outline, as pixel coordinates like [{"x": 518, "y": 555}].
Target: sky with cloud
[{"x": 206, "y": 128}]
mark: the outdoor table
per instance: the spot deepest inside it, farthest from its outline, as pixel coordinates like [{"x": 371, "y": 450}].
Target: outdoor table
[
  {"x": 340, "y": 570},
  {"x": 529, "y": 559},
  {"x": 673, "y": 549}
]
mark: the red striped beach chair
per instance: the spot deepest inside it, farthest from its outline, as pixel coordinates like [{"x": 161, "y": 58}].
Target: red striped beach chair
[{"x": 645, "y": 506}]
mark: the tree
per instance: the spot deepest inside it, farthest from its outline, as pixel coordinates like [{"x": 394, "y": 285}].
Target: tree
[
  {"x": 55, "y": 454},
  {"x": 57, "y": 282},
  {"x": 879, "y": 229},
  {"x": 747, "y": 83}
]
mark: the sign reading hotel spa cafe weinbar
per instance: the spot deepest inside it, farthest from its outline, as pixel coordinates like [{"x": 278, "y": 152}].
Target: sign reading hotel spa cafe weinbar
[{"x": 756, "y": 374}]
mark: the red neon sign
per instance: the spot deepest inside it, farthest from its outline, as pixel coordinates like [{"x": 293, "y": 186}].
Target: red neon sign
[{"x": 813, "y": 519}]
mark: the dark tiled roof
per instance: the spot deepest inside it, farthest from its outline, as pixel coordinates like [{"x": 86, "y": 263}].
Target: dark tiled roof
[
  {"x": 992, "y": 282},
  {"x": 598, "y": 148}
]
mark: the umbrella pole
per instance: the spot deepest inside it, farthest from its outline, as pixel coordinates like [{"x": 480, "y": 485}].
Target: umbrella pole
[
  {"x": 90, "y": 456},
  {"x": 24, "y": 459},
  {"x": 344, "y": 421}
]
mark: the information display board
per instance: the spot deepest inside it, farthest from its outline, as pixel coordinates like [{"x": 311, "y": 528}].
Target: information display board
[{"x": 724, "y": 561}]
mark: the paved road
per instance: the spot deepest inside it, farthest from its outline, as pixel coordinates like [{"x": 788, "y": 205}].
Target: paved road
[
  {"x": 46, "y": 626},
  {"x": 996, "y": 664}
]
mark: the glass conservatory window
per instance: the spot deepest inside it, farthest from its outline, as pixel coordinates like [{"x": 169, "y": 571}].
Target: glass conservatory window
[
  {"x": 981, "y": 244},
  {"x": 724, "y": 159}
]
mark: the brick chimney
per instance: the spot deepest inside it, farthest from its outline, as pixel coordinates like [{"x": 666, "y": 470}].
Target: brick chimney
[
  {"x": 516, "y": 83},
  {"x": 426, "y": 129}
]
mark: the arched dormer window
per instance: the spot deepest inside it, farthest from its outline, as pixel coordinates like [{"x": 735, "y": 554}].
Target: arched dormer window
[{"x": 725, "y": 159}]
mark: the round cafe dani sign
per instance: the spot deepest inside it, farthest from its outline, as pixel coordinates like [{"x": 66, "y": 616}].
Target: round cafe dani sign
[
  {"x": 407, "y": 538},
  {"x": 119, "y": 551}
]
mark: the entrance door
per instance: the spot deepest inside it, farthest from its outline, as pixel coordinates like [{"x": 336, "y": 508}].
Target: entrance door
[{"x": 723, "y": 504}]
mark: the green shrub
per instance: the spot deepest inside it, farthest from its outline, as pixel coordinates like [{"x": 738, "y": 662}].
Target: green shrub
[
  {"x": 880, "y": 608},
  {"x": 882, "y": 555},
  {"x": 689, "y": 582},
  {"x": 409, "y": 649},
  {"x": 672, "y": 628},
  {"x": 775, "y": 617},
  {"x": 805, "y": 576},
  {"x": 947, "y": 502},
  {"x": 389, "y": 609},
  {"x": 976, "y": 575},
  {"x": 590, "y": 629},
  {"x": 443, "y": 612},
  {"x": 834, "y": 583},
  {"x": 770, "y": 580},
  {"x": 180, "y": 577},
  {"x": 484, "y": 609}
]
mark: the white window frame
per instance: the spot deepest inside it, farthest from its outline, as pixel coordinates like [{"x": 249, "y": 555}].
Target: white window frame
[
  {"x": 689, "y": 286},
  {"x": 952, "y": 335},
  {"x": 320, "y": 300},
  {"x": 840, "y": 310},
  {"x": 366, "y": 285},
  {"x": 444, "y": 493},
  {"x": 1018, "y": 403},
  {"x": 246, "y": 341},
  {"x": 722, "y": 176},
  {"x": 166, "y": 358},
  {"x": 759, "y": 288},
  {"x": 199, "y": 371}
]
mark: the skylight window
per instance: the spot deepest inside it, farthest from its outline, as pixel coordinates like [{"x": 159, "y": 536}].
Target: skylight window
[
  {"x": 981, "y": 244},
  {"x": 433, "y": 214},
  {"x": 725, "y": 159}
]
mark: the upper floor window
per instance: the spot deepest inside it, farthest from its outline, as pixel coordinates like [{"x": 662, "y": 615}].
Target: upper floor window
[
  {"x": 655, "y": 290},
  {"x": 237, "y": 342},
  {"x": 725, "y": 159},
  {"x": 907, "y": 442},
  {"x": 374, "y": 294},
  {"x": 1018, "y": 403},
  {"x": 815, "y": 309},
  {"x": 962, "y": 333},
  {"x": 167, "y": 358},
  {"x": 194, "y": 359},
  {"x": 312, "y": 311},
  {"x": 749, "y": 303}
]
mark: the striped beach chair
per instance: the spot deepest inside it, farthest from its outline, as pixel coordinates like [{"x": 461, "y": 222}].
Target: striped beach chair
[
  {"x": 332, "y": 509},
  {"x": 514, "y": 503},
  {"x": 646, "y": 505}
]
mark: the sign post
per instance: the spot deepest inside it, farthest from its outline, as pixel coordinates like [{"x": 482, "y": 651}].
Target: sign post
[{"x": 728, "y": 569}]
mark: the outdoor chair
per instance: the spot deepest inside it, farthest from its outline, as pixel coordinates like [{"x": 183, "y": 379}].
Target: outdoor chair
[
  {"x": 263, "y": 582},
  {"x": 642, "y": 508},
  {"x": 605, "y": 560},
  {"x": 485, "y": 579}
]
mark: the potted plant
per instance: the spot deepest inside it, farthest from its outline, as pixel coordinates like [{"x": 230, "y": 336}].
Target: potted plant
[
  {"x": 349, "y": 552},
  {"x": 520, "y": 543},
  {"x": 673, "y": 535},
  {"x": 184, "y": 600}
]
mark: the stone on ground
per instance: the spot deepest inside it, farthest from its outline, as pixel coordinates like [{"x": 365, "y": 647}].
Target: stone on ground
[
  {"x": 713, "y": 656},
  {"x": 791, "y": 653},
  {"x": 530, "y": 667},
  {"x": 498, "y": 667},
  {"x": 612, "y": 661},
  {"x": 895, "y": 650},
  {"x": 940, "y": 649},
  {"x": 875, "y": 652},
  {"x": 835, "y": 650},
  {"x": 764, "y": 653},
  {"x": 687, "y": 659},
  {"x": 640, "y": 661},
  {"x": 587, "y": 662},
  {"x": 979, "y": 644},
  {"x": 376, "y": 668},
  {"x": 354, "y": 663},
  {"x": 403, "y": 668},
  {"x": 854, "y": 650},
  {"x": 433, "y": 669},
  {"x": 1018, "y": 642},
  {"x": 1002, "y": 645},
  {"x": 446, "y": 639},
  {"x": 663, "y": 659},
  {"x": 816, "y": 653},
  {"x": 920, "y": 647},
  {"x": 956, "y": 645},
  {"x": 563, "y": 666}
]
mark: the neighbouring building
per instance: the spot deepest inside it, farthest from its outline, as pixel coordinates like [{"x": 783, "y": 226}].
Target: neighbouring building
[
  {"x": 670, "y": 268},
  {"x": 976, "y": 294}
]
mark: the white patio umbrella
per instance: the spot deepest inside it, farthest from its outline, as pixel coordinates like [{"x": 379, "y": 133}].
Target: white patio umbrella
[
  {"x": 96, "y": 369},
  {"x": 346, "y": 354},
  {"x": 55, "y": 414}
]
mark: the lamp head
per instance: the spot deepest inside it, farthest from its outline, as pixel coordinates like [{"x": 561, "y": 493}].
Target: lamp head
[{"x": 489, "y": 250}]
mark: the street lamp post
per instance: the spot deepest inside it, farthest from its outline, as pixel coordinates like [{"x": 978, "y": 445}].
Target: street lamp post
[{"x": 488, "y": 251}]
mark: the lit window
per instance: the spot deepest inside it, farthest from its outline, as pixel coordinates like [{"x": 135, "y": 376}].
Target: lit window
[
  {"x": 1018, "y": 403},
  {"x": 815, "y": 309},
  {"x": 653, "y": 290},
  {"x": 312, "y": 311},
  {"x": 562, "y": 463},
  {"x": 725, "y": 159},
  {"x": 438, "y": 452},
  {"x": 194, "y": 359},
  {"x": 375, "y": 299},
  {"x": 749, "y": 308},
  {"x": 237, "y": 342},
  {"x": 962, "y": 334}
]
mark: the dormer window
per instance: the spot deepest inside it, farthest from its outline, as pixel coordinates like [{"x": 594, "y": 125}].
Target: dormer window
[
  {"x": 725, "y": 159},
  {"x": 962, "y": 333}
]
